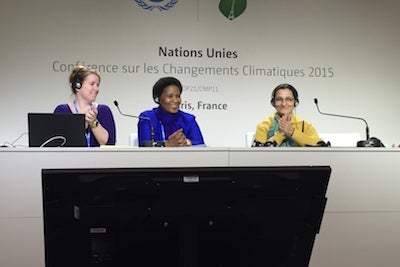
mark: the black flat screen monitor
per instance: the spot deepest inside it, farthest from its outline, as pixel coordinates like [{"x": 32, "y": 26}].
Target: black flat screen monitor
[
  {"x": 55, "y": 130},
  {"x": 187, "y": 217}
]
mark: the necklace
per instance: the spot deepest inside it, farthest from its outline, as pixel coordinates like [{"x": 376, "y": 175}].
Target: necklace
[{"x": 87, "y": 132}]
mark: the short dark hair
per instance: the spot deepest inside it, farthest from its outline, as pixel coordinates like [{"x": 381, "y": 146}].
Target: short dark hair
[
  {"x": 161, "y": 84},
  {"x": 285, "y": 86}
]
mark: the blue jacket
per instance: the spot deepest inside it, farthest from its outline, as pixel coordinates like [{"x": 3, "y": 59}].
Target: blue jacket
[{"x": 165, "y": 124}]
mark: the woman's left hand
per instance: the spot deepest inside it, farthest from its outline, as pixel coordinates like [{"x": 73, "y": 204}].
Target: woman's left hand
[
  {"x": 178, "y": 138},
  {"x": 91, "y": 116},
  {"x": 285, "y": 125}
]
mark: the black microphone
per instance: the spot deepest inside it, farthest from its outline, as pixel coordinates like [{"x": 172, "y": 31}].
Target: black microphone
[
  {"x": 344, "y": 116},
  {"x": 153, "y": 141},
  {"x": 364, "y": 143},
  {"x": 370, "y": 142}
]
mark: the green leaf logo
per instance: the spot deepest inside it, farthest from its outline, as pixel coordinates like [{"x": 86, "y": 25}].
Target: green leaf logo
[{"x": 232, "y": 8}]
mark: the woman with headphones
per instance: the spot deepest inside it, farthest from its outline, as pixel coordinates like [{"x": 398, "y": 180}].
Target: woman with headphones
[
  {"x": 284, "y": 128},
  {"x": 167, "y": 125},
  {"x": 99, "y": 121}
]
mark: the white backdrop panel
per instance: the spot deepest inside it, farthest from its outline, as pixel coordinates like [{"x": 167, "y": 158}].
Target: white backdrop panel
[{"x": 345, "y": 53}]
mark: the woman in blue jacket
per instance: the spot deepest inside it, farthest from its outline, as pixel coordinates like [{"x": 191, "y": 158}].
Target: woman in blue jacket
[{"x": 167, "y": 125}]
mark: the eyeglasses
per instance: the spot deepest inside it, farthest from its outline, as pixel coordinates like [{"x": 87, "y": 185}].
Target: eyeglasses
[{"x": 281, "y": 99}]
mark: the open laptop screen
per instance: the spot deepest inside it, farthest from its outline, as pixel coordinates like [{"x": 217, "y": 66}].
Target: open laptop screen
[{"x": 54, "y": 130}]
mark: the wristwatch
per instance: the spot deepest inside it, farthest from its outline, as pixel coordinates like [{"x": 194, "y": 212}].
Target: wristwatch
[
  {"x": 188, "y": 142},
  {"x": 95, "y": 123}
]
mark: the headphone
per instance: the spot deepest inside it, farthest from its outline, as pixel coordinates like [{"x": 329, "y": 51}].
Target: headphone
[
  {"x": 157, "y": 100},
  {"x": 77, "y": 81},
  {"x": 285, "y": 86},
  {"x": 77, "y": 84}
]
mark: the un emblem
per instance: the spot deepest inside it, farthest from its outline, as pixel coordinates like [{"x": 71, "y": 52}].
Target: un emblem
[{"x": 160, "y": 4}]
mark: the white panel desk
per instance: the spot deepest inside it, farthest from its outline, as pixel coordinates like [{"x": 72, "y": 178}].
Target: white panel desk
[{"x": 361, "y": 225}]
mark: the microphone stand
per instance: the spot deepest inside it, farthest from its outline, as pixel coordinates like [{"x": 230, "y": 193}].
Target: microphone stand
[
  {"x": 153, "y": 142},
  {"x": 369, "y": 142}
]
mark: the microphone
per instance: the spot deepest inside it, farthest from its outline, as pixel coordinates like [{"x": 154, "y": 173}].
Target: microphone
[
  {"x": 145, "y": 143},
  {"x": 369, "y": 142},
  {"x": 344, "y": 116}
]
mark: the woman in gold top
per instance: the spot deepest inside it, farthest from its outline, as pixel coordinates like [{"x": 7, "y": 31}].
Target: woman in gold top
[{"x": 284, "y": 128}]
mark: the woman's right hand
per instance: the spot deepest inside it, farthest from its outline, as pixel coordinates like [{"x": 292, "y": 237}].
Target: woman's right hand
[
  {"x": 176, "y": 139},
  {"x": 285, "y": 125}
]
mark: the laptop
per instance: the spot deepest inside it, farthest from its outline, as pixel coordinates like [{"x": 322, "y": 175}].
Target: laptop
[{"x": 56, "y": 130}]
